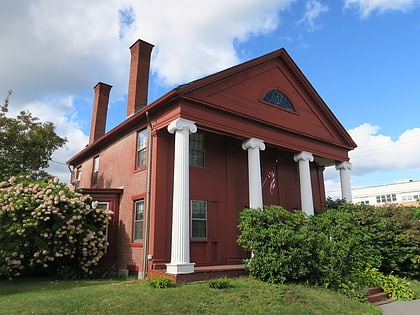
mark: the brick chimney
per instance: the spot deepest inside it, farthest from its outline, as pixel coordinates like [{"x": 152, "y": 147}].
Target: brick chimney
[
  {"x": 99, "y": 112},
  {"x": 138, "y": 83}
]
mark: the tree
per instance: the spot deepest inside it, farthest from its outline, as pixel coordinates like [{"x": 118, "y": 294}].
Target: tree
[{"x": 26, "y": 143}]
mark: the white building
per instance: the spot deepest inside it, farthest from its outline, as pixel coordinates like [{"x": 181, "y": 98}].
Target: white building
[{"x": 402, "y": 192}]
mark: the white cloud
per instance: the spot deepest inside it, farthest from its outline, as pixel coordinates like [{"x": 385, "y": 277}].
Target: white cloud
[
  {"x": 380, "y": 152},
  {"x": 54, "y": 52},
  {"x": 332, "y": 185},
  {"x": 65, "y": 46},
  {"x": 366, "y": 7},
  {"x": 200, "y": 40},
  {"x": 377, "y": 155},
  {"x": 313, "y": 9}
]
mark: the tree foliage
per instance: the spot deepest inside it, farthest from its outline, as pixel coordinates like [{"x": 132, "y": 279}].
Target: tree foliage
[
  {"x": 48, "y": 227},
  {"x": 26, "y": 144}
]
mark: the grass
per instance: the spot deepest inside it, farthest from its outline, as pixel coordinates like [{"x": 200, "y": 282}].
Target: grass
[
  {"x": 415, "y": 285},
  {"x": 245, "y": 296}
]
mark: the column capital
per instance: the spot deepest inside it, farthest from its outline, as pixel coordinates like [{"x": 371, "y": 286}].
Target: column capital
[
  {"x": 253, "y": 143},
  {"x": 180, "y": 124},
  {"x": 343, "y": 166},
  {"x": 303, "y": 156}
]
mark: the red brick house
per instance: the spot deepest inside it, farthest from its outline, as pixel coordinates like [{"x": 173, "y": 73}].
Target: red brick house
[{"x": 178, "y": 171}]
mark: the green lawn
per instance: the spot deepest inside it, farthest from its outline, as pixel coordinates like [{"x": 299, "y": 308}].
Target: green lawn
[
  {"x": 415, "y": 285},
  {"x": 246, "y": 296}
]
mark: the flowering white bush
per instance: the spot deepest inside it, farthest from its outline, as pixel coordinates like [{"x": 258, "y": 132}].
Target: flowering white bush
[{"x": 45, "y": 225}]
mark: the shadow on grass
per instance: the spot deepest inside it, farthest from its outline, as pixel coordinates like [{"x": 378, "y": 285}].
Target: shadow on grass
[{"x": 34, "y": 283}]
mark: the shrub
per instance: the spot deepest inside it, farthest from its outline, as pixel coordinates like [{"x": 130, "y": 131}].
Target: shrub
[
  {"x": 292, "y": 247},
  {"x": 416, "y": 213},
  {"x": 161, "y": 283},
  {"x": 343, "y": 246},
  {"x": 334, "y": 248},
  {"x": 397, "y": 288},
  {"x": 220, "y": 283},
  {"x": 45, "y": 225},
  {"x": 354, "y": 290},
  {"x": 282, "y": 244},
  {"x": 396, "y": 232}
]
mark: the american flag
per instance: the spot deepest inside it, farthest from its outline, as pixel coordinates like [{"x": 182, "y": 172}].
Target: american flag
[{"x": 271, "y": 176}]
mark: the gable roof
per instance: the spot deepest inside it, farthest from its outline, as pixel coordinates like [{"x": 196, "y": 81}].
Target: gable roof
[
  {"x": 241, "y": 89},
  {"x": 238, "y": 92}
]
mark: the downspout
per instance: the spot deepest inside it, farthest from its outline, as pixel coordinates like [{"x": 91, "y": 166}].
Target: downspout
[{"x": 143, "y": 275}]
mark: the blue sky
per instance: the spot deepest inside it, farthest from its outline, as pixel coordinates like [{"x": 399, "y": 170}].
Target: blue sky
[{"x": 360, "y": 55}]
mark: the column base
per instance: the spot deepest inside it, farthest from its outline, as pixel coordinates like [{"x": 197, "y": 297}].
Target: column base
[
  {"x": 179, "y": 268},
  {"x": 309, "y": 211}
]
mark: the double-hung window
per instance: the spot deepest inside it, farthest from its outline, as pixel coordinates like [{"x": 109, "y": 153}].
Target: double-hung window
[
  {"x": 198, "y": 219},
  {"x": 141, "y": 148},
  {"x": 138, "y": 220}
]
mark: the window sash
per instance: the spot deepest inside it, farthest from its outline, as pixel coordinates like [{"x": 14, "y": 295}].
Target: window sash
[
  {"x": 141, "y": 158},
  {"x": 138, "y": 220},
  {"x": 197, "y": 150},
  {"x": 95, "y": 171},
  {"x": 95, "y": 178},
  {"x": 141, "y": 148},
  {"x": 96, "y": 164},
  {"x": 78, "y": 176},
  {"x": 198, "y": 219}
]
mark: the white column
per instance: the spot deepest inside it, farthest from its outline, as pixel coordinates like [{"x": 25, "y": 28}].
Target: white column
[
  {"x": 180, "y": 246},
  {"x": 254, "y": 171},
  {"x": 344, "y": 168},
  {"x": 303, "y": 158}
]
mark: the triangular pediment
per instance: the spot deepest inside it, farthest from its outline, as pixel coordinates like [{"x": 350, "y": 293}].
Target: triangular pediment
[{"x": 241, "y": 91}]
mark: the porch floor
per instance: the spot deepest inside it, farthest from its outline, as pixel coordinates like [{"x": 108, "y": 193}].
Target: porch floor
[{"x": 202, "y": 273}]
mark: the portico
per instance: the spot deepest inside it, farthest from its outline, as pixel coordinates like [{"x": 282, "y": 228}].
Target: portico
[{"x": 181, "y": 128}]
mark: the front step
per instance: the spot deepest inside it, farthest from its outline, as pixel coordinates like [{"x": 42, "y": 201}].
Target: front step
[{"x": 377, "y": 296}]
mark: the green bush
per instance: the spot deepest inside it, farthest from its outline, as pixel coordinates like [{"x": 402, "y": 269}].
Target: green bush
[
  {"x": 161, "y": 283},
  {"x": 416, "y": 212},
  {"x": 46, "y": 226},
  {"x": 343, "y": 246},
  {"x": 396, "y": 232},
  {"x": 397, "y": 288},
  {"x": 292, "y": 247},
  {"x": 220, "y": 283},
  {"x": 354, "y": 290},
  {"x": 334, "y": 248},
  {"x": 282, "y": 243}
]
